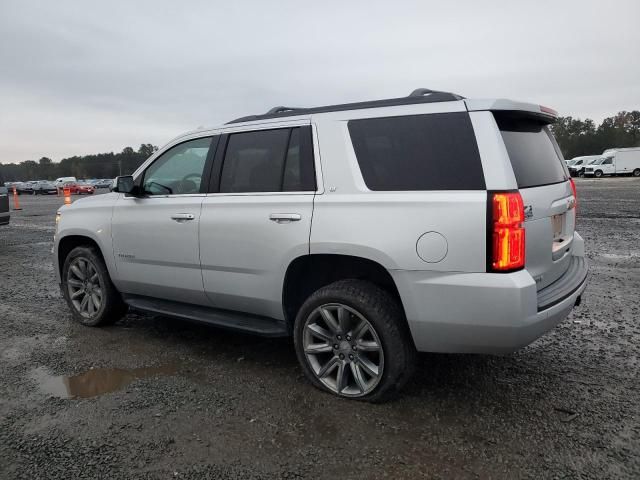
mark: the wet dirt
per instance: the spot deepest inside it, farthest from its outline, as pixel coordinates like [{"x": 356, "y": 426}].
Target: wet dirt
[{"x": 237, "y": 406}]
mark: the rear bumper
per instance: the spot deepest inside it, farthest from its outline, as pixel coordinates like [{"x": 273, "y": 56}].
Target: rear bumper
[{"x": 486, "y": 312}]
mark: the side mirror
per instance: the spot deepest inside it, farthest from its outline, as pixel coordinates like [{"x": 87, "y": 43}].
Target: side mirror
[{"x": 124, "y": 184}]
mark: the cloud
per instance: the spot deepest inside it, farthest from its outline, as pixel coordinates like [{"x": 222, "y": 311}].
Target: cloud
[{"x": 81, "y": 78}]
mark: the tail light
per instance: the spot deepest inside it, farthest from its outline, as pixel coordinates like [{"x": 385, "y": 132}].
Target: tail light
[
  {"x": 506, "y": 243},
  {"x": 575, "y": 193}
]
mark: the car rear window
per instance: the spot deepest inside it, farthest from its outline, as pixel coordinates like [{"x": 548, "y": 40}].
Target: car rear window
[
  {"x": 532, "y": 150},
  {"x": 418, "y": 152}
]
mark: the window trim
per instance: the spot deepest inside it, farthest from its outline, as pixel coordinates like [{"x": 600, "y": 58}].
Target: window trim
[
  {"x": 223, "y": 143},
  {"x": 214, "y": 141}
]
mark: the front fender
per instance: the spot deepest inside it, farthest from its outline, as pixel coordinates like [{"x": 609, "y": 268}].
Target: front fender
[{"x": 91, "y": 220}]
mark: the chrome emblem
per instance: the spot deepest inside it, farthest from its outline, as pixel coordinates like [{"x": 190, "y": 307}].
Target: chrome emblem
[{"x": 528, "y": 211}]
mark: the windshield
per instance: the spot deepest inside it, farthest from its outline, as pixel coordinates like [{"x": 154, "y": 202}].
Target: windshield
[
  {"x": 571, "y": 162},
  {"x": 592, "y": 162}
]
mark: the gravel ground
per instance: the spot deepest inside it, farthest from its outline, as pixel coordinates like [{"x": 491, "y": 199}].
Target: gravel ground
[{"x": 153, "y": 397}]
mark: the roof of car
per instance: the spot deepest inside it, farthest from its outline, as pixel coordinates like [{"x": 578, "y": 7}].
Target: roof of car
[{"x": 418, "y": 96}]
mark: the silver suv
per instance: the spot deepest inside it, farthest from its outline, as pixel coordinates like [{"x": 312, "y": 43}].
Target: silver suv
[{"x": 367, "y": 231}]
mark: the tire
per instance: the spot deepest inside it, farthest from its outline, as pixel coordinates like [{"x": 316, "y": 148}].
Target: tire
[
  {"x": 636, "y": 172},
  {"x": 598, "y": 173},
  {"x": 343, "y": 349},
  {"x": 111, "y": 307}
]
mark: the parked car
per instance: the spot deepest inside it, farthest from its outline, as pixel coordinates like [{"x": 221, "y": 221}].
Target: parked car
[
  {"x": 62, "y": 180},
  {"x": 25, "y": 187},
  {"x": 440, "y": 224},
  {"x": 45, "y": 188},
  {"x": 616, "y": 161},
  {"x": 78, "y": 188},
  {"x": 577, "y": 164},
  {"x": 9, "y": 186},
  {"x": 5, "y": 213},
  {"x": 103, "y": 183}
]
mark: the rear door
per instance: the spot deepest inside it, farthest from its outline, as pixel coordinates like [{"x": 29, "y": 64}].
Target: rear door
[
  {"x": 257, "y": 218},
  {"x": 543, "y": 182}
]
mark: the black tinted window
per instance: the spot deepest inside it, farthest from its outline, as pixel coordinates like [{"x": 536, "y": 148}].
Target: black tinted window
[
  {"x": 268, "y": 161},
  {"x": 532, "y": 152},
  {"x": 418, "y": 152}
]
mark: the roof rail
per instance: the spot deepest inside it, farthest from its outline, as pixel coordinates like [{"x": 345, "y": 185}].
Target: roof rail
[
  {"x": 282, "y": 109},
  {"x": 421, "y": 92},
  {"x": 420, "y": 95}
]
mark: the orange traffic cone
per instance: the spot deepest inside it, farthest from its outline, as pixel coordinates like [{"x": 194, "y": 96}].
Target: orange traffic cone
[
  {"x": 16, "y": 202},
  {"x": 67, "y": 196}
]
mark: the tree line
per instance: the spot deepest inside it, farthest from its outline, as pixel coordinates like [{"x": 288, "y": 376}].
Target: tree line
[
  {"x": 583, "y": 137},
  {"x": 101, "y": 165},
  {"x": 575, "y": 136}
]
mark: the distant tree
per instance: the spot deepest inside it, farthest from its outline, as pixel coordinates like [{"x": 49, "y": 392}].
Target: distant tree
[
  {"x": 581, "y": 137},
  {"x": 102, "y": 165},
  {"x": 146, "y": 150}
]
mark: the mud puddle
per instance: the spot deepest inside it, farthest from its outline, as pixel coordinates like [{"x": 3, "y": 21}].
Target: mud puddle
[{"x": 94, "y": 382}]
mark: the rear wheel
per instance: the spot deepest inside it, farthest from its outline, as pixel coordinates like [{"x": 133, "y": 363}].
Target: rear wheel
[
  {"x": 88, "y": 290},
  {"x": 598, "y": 173},
  {"x": 636, "y": 172},
  {"x": 352, "y": 340}
]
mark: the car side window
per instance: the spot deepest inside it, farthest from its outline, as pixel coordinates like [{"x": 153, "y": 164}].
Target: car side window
[
  {"x": 608, "y": 161},
  {"x": 179, "y": 170},
  {"x": 268, "y": 161}
]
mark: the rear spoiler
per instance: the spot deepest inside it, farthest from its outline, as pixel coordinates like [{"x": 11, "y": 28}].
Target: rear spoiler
[{"x": 539, "y": 112}]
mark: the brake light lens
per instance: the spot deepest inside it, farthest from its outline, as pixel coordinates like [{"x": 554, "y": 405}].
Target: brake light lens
[
  {"x": 508, "y": 234},
  {"x": 548, "y": 110},
  {"x": 575, "y": 193}
]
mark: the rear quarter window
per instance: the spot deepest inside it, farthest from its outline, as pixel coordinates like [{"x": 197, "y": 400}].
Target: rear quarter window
[
  {"x": 535, "y": 157},
  {"x": 418, "y": 152}
]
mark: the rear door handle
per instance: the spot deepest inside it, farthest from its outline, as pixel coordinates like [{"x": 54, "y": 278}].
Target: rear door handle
[
  {"x": 182, "y": 217},
  {"x": 285, "y": 217}
]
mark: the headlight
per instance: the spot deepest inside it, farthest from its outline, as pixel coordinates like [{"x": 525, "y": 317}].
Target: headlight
[{"x": 58, "y": 215}]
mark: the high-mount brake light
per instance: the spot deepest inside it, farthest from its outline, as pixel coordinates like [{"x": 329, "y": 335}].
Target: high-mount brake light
[
  {"x": 548, "y": 110},
  {"x": 507, "y": 242}
]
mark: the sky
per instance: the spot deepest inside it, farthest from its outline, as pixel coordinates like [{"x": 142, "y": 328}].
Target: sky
[{"x": 80, "y": 77}]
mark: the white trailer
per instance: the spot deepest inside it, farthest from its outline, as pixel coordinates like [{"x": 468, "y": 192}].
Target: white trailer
[{"x": 616, "y": 161}]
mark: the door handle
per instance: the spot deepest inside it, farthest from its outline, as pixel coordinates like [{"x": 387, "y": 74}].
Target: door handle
[
  {"x": 182, "y": 217},
  {"x": 285, "y": 217}
]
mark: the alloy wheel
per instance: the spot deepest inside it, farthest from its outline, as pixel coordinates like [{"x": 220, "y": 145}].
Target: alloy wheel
[
  {"x": 343, "y": 350},
  {"x": 85, "y": 287}
]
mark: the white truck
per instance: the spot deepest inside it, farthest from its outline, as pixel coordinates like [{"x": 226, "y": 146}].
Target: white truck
[
  {"x": 59, "y": 182},
  {"x": 616, "y": 161}
]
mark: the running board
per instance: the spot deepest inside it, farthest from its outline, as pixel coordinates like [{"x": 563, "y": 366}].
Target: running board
[{"x": 244, "y": 322}]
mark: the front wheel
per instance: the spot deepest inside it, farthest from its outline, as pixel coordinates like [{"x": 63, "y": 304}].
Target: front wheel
[
  {"x": 88, "y": 290},
  {"x": 636, "y": 172},
  {"x": 352, "y": 340},
  {"x": 598, "y": 173}
]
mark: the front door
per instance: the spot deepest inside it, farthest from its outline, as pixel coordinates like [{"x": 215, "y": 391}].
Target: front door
[
  {"x": 258, "y": 219},
  {"x": 608, "y": 167},
  {"x": 155, "y": 235}
]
